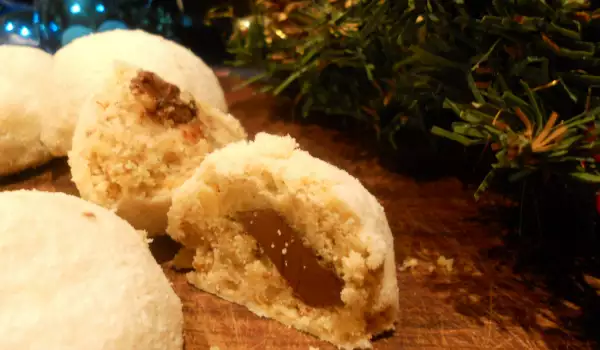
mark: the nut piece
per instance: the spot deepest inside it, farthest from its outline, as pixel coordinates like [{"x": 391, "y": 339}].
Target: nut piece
[{"x": 163, "y": 102}]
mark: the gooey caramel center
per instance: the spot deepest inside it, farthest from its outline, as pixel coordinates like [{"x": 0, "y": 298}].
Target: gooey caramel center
[{"x": 312, "y": 282}]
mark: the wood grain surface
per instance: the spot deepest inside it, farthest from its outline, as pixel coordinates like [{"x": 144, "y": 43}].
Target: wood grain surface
[{"x": 476, "y": 303}]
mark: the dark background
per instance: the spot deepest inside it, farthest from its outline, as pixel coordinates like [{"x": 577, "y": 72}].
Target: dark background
[{"x": 209, "y": 42}]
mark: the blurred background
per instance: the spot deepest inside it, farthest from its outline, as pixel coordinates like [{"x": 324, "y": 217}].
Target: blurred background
[{"x": 51, "y": 24}]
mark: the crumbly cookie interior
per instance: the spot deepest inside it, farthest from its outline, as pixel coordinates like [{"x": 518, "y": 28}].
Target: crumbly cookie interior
[
  {"x": 288, "y": 258},
  {"x": 148, "y": 138}
]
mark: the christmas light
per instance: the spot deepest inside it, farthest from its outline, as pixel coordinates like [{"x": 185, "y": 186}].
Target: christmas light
[{"x": 75, "y": 9}]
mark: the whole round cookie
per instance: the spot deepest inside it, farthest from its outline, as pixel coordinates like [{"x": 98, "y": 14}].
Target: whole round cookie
[
  {"x": 139, "y": 137},
  {"x": 81, "y": 66},
  {"x": 25, "y": 107},
  {"x": 290, "y": 237},
  {"x": 76, "y": 276}
]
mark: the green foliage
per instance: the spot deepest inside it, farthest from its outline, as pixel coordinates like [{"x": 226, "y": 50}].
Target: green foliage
[
  {"x": 331, "y": 60},
  {"x": 520, "y": 75}
]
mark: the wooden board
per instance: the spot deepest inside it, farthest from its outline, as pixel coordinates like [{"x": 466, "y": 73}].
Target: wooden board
[{"x": 477, "y": 304}]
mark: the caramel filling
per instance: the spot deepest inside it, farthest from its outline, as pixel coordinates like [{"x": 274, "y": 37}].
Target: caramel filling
[
  {"x": 313, "y": 283},
  {"x": 162, "y": 101}
]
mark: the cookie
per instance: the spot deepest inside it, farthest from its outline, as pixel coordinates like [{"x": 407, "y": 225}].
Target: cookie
[
  {"x": 138, "y": 138},
  {"x": 81, "y": 66},
  {"x": 25, "y": 107},
  {"x": 290, "y": 237},
  {"x": 76, "y": 276}
]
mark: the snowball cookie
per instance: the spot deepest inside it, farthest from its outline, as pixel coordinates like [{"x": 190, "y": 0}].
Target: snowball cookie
[
  {"x": 76, "y": 276},
  {"x": 139, "y": 137},
  {"x": 25, "y": 107},
  {"x": 290, "y": 237},
  {"x": 81, "y": 66}
]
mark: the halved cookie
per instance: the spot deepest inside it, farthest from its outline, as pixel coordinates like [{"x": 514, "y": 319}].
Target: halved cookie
[
  {"x": 138, "y": 138},
  {"x": 290, "y": 237}
]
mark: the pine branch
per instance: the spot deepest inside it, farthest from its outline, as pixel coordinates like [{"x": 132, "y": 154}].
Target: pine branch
[{"x": 521, "y": 77}]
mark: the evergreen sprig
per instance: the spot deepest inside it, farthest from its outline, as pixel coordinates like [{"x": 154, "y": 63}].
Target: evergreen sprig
[
  {"x": 521, "y": 76},
  {"x": 534, "y": 100},
  {"x": 344, "y": 59}
]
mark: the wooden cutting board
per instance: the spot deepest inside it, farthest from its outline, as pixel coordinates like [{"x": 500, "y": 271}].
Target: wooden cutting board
[{"x": 452, "y": 295}]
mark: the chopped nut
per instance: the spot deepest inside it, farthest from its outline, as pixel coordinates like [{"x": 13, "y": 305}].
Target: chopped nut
[{"x": 162, "y": 101}]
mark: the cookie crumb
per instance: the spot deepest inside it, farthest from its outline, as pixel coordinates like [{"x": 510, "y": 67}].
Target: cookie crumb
[
  {"x": 214, "y": 347},
  {"x": 446, "y": 263},
  {"x": 408, "y": 263}
]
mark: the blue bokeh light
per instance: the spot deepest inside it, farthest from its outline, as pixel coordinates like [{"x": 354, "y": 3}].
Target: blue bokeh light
[
  {"x": 9, "y": 26},
  {"x": 53, "y": 27},
  {"x": 25, "y": 31},
  {"x": 75, "y": 8},
  {"x": 100, "y": 8}
]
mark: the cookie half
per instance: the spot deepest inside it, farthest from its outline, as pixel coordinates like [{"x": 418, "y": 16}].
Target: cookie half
[
  {"x": 290, "y": 237},
  {"x": 81, "y": 67},
  {"x": 138, "y": 138}
]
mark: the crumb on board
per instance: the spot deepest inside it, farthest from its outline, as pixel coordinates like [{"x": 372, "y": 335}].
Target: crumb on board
[
  {"x": 408, "y": 263},
  {"x": 214, "y": 347},
  {"x": 312, "y": 348},
  {"x": 445, "y": 262}
]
